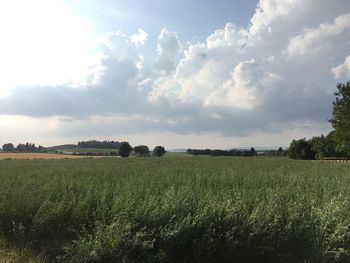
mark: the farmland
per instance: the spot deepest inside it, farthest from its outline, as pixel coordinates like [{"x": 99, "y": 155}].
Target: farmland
[
  {"x": 8, "y": 155},
  {"x": 86, "y": 150},
  {"x": 175, "y": 209}
]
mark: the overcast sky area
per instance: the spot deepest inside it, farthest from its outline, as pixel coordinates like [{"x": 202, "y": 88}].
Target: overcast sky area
[{"x": 182, "y": 74}]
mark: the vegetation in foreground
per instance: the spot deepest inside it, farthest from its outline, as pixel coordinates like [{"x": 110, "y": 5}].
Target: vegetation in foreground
[{"x": 222, "y": 209}]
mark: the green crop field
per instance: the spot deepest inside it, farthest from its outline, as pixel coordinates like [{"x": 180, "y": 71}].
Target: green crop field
[
  {"x": 175, "y": 209},
  {"x": 85, "y": 150}
]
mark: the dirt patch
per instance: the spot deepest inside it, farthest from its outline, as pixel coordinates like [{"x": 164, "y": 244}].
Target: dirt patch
[{"x": 17, "y": 256}]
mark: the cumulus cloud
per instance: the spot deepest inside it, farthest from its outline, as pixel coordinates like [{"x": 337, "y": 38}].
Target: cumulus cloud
[
  {"x": 203, "y": 67},
  {"x": 169, "y": 50},
  {"x": 343, "y": 69},
  {"x": 246, "y": 89},
  {"x": 140, "y": 38},
  {"x": 325, "y": 36},
  {"x": 113, "y": 87},
  {"x": 268, "y": 11},
  {"x": 273, "y": 75},
  {"x": 246, "y": 74}
]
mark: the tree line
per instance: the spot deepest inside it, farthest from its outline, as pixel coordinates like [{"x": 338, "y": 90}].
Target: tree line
[
  {"x": 337, "y": 142},
  {"x": 93, "y": 144},
  {"x": 23, "y": 147},
  {"x": 124, "y": 148},
  {"x": 140, "y": 150},
  {"x": 233, "y": 152}
]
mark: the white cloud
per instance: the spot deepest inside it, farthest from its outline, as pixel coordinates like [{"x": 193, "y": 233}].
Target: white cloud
[
  {"x": 140, "y": 38},
  {"x": 268, "y": 11},
  {"x": 203, "y": 67},
  {"x": 246, "y": 89},
  {"x": 342, "y": 70},
  {"x": 230, "y": 36},
  {"x": 169, "y": 49},
  {"x": 238, "y": 81},
  {"x": 244, "y": 72},
  {"x": 314, "y": 40}
]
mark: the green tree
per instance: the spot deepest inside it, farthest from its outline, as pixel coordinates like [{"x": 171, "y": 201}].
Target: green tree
[
  {"x": 331, "y": 146},
  {"x": 124, "y": 149},
  {"x": 158, "y": 151},
  {"x": 141, "y": 150},
  {"x": 280, "y": 151},
  {"x": 301, "y": 149},
  {"x": 319, "y": 146},
  {"x": 8, "y": 147},
  {"x": 341, "y": 118},
  {"x": 253, "y": 152}
]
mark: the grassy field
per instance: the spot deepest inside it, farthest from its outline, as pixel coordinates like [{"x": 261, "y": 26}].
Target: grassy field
[{"x": 175, "y": 209}]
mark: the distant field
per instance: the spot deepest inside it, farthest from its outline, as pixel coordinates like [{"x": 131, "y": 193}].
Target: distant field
[
  {"x": 182, "y": 154},
  {"x": 175, "y": 209},
  {"x": 85, "y": 150},
  {"x": 176, "y": 154},
  {"x": 5, "y": 155}
]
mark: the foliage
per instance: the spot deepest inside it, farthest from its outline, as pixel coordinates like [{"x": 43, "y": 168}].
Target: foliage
[
  {"x": 301, "y": 149},
  {"x": 29, "y": 147},
  {"x": 341, "y": 117},
  {"x": 124, "y": 149},
  {"x": 158, "y": 151},
  {"x": 253, "y": 152},
  {"x": 196, "y": 152},
  {"x": 98, "y": 144},
  {"x": 232, "y": 152},
  {"x": 141, "y": 150},
  {"x": 177, "y": 210},
  {"x": 325, "y": 146},
  {"x": 8, "y": 147},
  {"x": 317, "y": 147}
]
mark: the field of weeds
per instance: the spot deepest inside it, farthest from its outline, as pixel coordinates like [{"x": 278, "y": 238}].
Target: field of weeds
[{"x": 176, "y": 209}]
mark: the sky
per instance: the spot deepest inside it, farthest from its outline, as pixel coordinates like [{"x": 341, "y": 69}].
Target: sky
[{"x": 182, "y": 74}]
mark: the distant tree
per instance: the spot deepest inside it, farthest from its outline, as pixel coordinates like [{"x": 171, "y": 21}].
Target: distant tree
[
  {"x": 20, "y": 147},
  {"x": 141, "y": 150},
  {"x": 301, "y": 149},
  {"x": 158, "y": 151},
  {"x": 341, "y": 118},
  {"x": 98, "y": 144},
  {"x": 8, "y": 147},
  {"x": 27, "y": 147},
  {"x": 42, "y": 149},
  {"x": 218, "y": 152},
  {"x": 253, "y": 152},
  {"x": 280, "y": 151},
  {"x": 124, "y": 149},
  {"x": 197, "y": 152}
]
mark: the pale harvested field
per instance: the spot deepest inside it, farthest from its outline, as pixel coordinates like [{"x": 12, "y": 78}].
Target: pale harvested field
[{"x": 5, "y": 155}]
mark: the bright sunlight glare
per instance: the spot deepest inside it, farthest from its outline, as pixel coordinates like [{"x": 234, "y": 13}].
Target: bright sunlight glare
[{"x": 38, "y": 37}]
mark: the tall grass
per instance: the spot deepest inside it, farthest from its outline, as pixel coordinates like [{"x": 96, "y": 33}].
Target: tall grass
[{"x": 177, "y": 209}]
